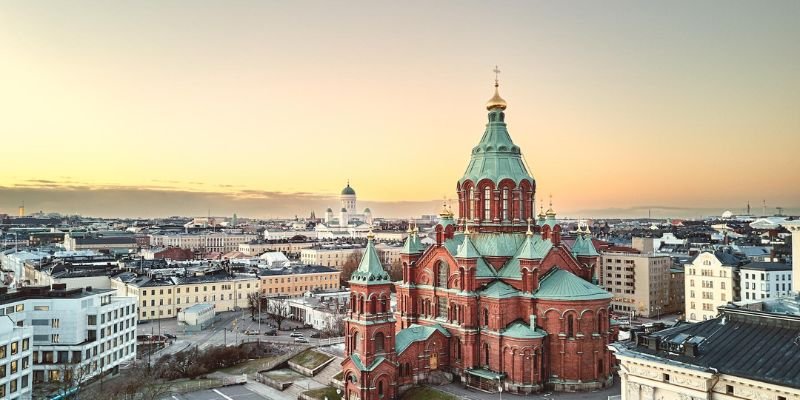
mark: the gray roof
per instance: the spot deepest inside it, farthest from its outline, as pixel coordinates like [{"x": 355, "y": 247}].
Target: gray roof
[
  {"x": 768, "y": 266},
  {"x": 750, "y": 344}
]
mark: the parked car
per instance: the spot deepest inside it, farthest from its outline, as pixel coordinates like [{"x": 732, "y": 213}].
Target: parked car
[
  {"x": 171, "y": 336},
  {"x": 296, "y": 334},
  {"x": 251, "y": 332},
  {"x": 300, "y": 340},
  {"x": 270, "y": 332}
]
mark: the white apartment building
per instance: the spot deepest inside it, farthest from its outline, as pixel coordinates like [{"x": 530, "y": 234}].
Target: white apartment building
[
  {"x": 15, "y": 360},
  {"x": 794, "y": 228},
  {"x": 765, "y": 280},
  {"x": 637, "y": 282},
  {"x": 221, "y": 242},
  {"x": 92, "y": 331},
  {"x": 712, "y": 280}
]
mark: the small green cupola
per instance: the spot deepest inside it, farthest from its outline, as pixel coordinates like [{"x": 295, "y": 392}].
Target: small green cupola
[
  {"x": 412, "y": 245},
  {"x": 370, "y": 270}
]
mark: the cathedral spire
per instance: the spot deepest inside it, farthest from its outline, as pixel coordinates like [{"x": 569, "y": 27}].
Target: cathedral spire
[{"x": 496, "y": 101}]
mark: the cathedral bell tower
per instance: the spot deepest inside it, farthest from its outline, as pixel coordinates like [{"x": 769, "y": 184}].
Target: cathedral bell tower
[
  {"x": 369, "y": 328},
  {"x": 496, "y": 193}
]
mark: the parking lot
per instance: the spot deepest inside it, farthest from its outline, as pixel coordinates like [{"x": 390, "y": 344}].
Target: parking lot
[{"x": 224, "y": 393}]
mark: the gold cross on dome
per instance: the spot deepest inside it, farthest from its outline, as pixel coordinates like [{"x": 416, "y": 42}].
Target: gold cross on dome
[{"x": 496, "y": 71}]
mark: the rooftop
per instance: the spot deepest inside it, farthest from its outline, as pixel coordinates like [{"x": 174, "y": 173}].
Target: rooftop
[
  {"x": 47, "y": 292},
  {"x": 767, "y": 266},
  {"x": 759, "y": 342}
]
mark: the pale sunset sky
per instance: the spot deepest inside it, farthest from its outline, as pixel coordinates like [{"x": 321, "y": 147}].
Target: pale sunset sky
[{"x": 267, "y": 108}]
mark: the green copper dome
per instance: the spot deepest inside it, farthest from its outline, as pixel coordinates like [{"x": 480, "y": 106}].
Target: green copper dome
[
  {"x": 496, "y": 157},
  {"x": 348, "y": 190},
  {"x": 370, "y": 271}
]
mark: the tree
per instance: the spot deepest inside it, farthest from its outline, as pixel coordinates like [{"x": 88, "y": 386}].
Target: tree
[
  {"x": 138, "y": 382},
  {"x": 396, "y": 271},
  {"x": 349, "y": 267},
  {"x": 252, "y": 302},
  {"x": 277, "y": 309},
  {"x": 72, "y": 376}
]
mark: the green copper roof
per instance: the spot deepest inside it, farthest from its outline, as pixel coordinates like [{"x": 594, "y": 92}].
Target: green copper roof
[
  {"x": 467, "y": 249},
  {"x": 348, "y": 190},
  {"x": 496, "y": 157},
  {"x": 583, "y": 246},
  {"x": 563, "y": 285},
  {"x": 484, "y": 269},
  {"x": 550, "y": 221},
  {"x": 499, "y": 290},
  {"x": 486, "y": 374},
  {"x": 412, "y": 245},
  {"x": 521, "y": 330},
  {"x": 446, "y": 221},
  {"x": 360, "y": 364},
  {"x": 415, "y": 333},
  {"x": 533, "y": 248},
  {"x": 370, "y": 270}
]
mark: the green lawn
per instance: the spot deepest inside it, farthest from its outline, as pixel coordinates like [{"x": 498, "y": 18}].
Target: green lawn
[
  {"x": 424, "y": 392},
  {"x": 311, "y": 358},
  {"x": 322, "y": 393}
]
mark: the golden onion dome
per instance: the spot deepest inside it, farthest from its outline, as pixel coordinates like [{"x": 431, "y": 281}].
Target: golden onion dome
[{"x": 496, "y": 101}]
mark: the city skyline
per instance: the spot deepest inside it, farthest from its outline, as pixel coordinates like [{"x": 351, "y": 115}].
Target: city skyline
[{"x": 152, "y": 110}]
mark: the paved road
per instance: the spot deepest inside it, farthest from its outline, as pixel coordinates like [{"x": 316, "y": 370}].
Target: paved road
[
  {"x": 228, "y": 329},
  {"x": 225, "y": 393}
]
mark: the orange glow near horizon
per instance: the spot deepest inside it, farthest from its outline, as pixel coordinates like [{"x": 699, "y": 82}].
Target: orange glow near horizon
[{"x": 629, "y": 106}]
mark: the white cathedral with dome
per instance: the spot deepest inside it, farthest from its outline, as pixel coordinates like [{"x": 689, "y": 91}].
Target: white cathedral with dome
[{"x": 347, "y": 222}]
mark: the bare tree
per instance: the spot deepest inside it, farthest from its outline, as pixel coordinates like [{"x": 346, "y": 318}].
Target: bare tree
[
  {"x": 253, "y": 299},
  {"x": 72, "y": 375},
  {"x": 349, "y": 267},
  {"x": 277, "y": 309},
  {"x": 396, "y": 271}
]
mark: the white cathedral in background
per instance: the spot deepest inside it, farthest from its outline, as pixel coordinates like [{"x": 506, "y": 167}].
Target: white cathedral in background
[{"x": 347, "y": 222}]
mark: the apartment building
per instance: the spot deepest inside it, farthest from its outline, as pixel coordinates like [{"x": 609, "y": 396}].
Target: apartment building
[
  {"x": 258, "y": 248},
  {"x": 329, "y": 256},
  {"x": 221, "y": 242},
  {"x": 88, "y": 330},
  {"x": 639, "y": 283},
  {"x": 298, "y": 279},
  {"x": 164, "y": 297},
  {"x": 711, "y": 280},
  {"x": 765, "y": 280},
  {"x": 15, "y": 360}
]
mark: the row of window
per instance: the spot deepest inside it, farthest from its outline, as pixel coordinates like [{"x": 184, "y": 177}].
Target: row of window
[
  {"x": 14, "y": 347},
  {"x": 13, "y": 385},
  {"x": 14, "y": 366},
  {"x": 196, "y": 289}
]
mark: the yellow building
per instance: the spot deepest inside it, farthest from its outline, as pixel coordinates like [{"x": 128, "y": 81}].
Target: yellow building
[
  {"x": 166, "y": 297},
  {"x": 296, "y": 280}
]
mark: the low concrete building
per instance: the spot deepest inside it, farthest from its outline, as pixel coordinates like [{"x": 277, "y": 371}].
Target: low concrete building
[{"x": 197, "y": 317}]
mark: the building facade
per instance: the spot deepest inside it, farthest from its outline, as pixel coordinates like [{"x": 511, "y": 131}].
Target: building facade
[
  {"x": 165, "y": 297},
  {"x": 711, "y": 280},
  {"x": 741, "y": 354},
  {"x": 77, "y": 334},
  {"x": 296, "y": 280},
  {"x": 765, "y": 280},
  {"x": 329, "y": 255},
  {"x": 494, "y": 302},
  {"x": 15, "y": 360},
  {"x": 220, "y": 242},
  {"x": 640, "y": 283}
]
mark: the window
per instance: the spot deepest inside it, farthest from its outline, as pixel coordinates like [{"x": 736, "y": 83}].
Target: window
[
  {"x": 25, "y": 345},
  {"x": 487, "y": 203},
  {"x": 666, "y": 377},
  {"x": 379, "y": 342},
  {"x": 380, "y": 389},
  {"x": 570, "y": 326},
  {"x": 14, "y": 348},
  {"x": 41, "y": 308},
  {"x": 728, "y": 389},
  {"x": 55, "y": 323},
  {"x": 470, "y": 199},
  {"x": 444, "y": 274},
  {"x": 505, "y": 204}
]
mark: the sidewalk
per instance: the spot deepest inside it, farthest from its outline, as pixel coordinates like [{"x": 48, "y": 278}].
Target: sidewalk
[{"x": 462, "y": 392}]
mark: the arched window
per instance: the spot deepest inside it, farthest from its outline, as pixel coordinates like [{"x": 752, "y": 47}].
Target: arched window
[
  {"x": 380, "y": 389},
  {"x": 444, "y": 274},
  {"x": 570, "y": 326},
  {"x": 470, "y": 208},
  {"x": 354, "y": 342},
  {"x": 486, "y": 317},
  {"x": 600, "y": 323},
  {"x": 379, "y": 341},
  {"x": 408, "y": 369},
  {"x": 457, "y": 348},
  {"x": 485, "y": 354},
  {"x": 487, "y": 203},
  {"x": 506, "y": 202}
]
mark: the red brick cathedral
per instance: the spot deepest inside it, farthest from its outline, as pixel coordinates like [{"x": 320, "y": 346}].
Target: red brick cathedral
[{"x": 498, "y": 303}]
